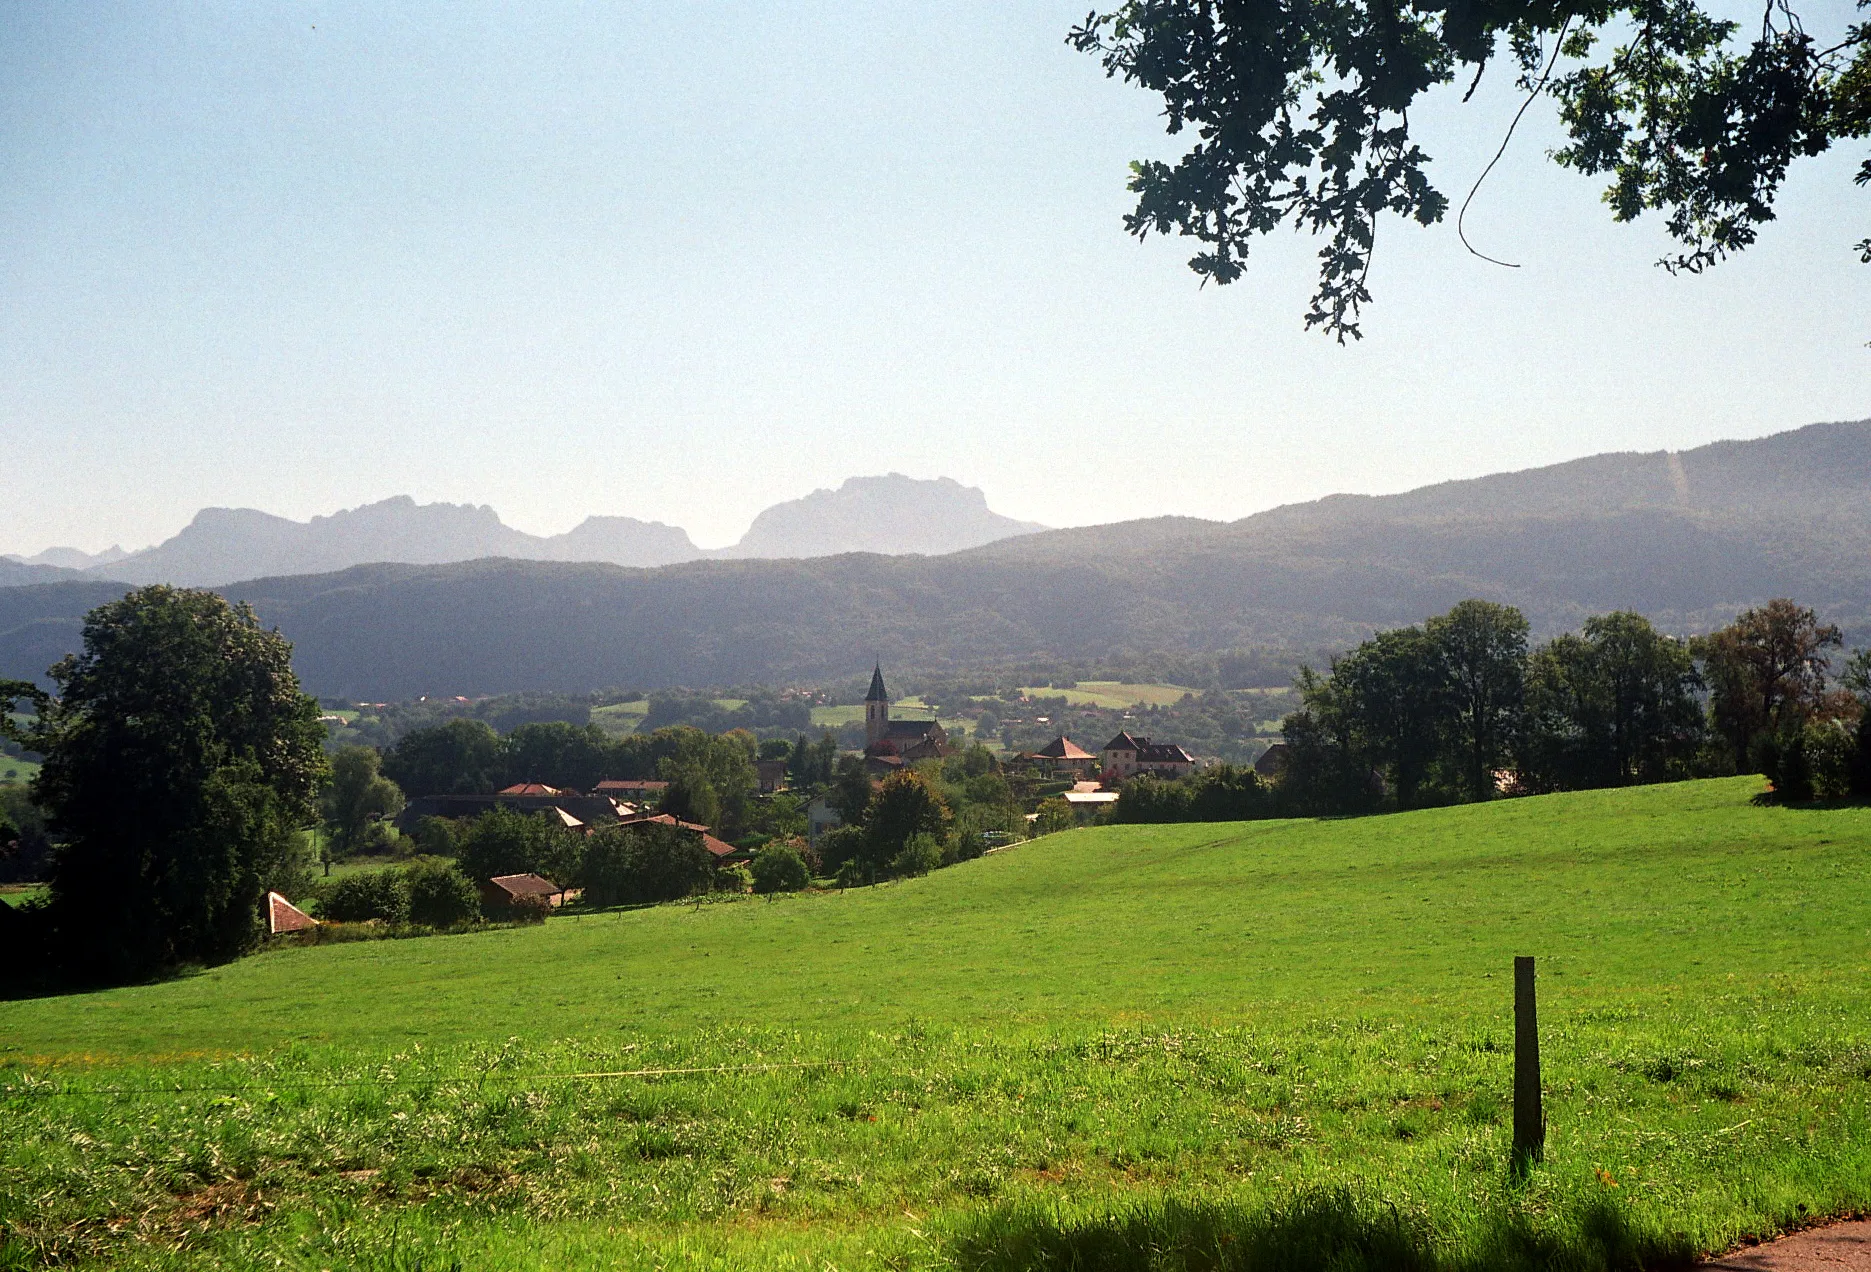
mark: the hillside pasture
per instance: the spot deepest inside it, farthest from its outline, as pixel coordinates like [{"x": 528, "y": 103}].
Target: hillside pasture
[
  {"x": 1120, "y": 1035},
  {"x": 1113, "y": 695},
  {"x": 620, "y": 719}
]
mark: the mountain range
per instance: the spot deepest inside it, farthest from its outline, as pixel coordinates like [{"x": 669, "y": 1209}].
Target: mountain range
[
  {"x": 892, "y": 514},
  {"x": 1689, "y": 538}
]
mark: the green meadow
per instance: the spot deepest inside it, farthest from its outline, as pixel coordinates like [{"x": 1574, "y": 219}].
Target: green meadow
[
  {"x": 1197, "y": 1046},
  {"x": 1112, "y": 694}
]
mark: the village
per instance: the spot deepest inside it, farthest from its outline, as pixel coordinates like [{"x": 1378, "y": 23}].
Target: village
[{"x": 1064, "y": 783}]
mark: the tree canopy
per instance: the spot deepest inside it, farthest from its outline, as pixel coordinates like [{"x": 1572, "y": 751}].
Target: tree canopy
[
  {"x": 1302, "y": 114},
  {"x": 182, "y": 763}
]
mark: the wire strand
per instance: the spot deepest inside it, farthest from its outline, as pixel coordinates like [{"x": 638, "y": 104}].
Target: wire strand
[{"x": 1462, "y": 216}]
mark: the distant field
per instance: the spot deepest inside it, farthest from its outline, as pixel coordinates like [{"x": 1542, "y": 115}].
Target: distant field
[
  {"x": 621, "y": 718},
  {"x": 1226, "y": 1014},
  {"x": 1113, "y": 694},
  {"x": 19, "y": 893},
  {"x": 17, "y": 770}
]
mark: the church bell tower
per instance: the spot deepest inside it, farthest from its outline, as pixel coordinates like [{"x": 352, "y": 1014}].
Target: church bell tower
[{"x": 876, "y": 709}]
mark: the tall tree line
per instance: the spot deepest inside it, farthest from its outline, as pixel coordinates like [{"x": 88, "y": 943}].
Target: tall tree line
[{"x": 1462, "y": 708}]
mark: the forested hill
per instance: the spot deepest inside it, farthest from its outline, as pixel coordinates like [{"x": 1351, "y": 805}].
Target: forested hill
[{"x": 1688, "y": 538}]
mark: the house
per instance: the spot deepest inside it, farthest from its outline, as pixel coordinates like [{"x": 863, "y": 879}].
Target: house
[
  {"x": 1063, "y": 756},
  {"x": 771, "y": 775},
  {"x": 1127, "y": 756},
  {"x": 909, "y": 740},
  {"x": 820, "y": 817},
  {"x": 283, "y": 916},
  {"x": 504, "y": 890},
  {"x": 1273, "y": 760},
  {"x": 531, "y": 790}
]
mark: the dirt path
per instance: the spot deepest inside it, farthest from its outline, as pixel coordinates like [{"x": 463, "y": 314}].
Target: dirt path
[{"x": 1843, "y": 1247}]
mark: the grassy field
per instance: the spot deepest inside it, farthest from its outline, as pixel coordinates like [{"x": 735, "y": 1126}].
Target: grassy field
[
  {"x": 621, "y": 718},
  {"x": 14, "y": 769},
  {"x": 1112, "y": 694},
  {"x": 1214, "y": 1038}
]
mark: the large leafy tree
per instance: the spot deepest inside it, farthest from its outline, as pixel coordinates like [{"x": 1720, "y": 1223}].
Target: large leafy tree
[
  {"x": 1484, "y": 653},
  {"x": 1766, "y": 671},
  {"x": 906, "y": 805},
  {"x": 1396, "y": 688},
  {"x": 358, "y": 796},
  {"x": 462, "y": 757},
  {"x": 1301, "y": 115},
  {"x": 1613, "y": 705},
  {"x": 182, "y": 763}
]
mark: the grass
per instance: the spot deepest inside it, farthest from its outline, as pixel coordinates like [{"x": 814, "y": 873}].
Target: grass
[
  {"x": 1113, "y": 694},
  {"x": 621, "y": 719},
  {"x": 20, "y": 893},
  {"x": 1178, "y": 1047},
  {"x": 15, "y": 770}
]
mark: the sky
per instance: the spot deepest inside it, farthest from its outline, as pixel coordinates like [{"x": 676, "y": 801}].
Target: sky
[{"x": 680, "y": 262}]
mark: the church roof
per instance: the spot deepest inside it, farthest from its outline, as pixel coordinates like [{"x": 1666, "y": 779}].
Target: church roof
[
  {"x": 911, "y": 728},
  {"x": 878, "y": 693}
]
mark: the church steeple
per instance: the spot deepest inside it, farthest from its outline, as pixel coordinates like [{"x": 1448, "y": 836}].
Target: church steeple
[{"x": 876, "y": 709}]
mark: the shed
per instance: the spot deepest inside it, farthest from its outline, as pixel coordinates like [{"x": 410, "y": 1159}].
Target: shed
[{"x": 506, "y": 889}]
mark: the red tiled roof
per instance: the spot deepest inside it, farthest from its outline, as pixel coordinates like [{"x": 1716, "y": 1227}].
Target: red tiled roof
[
  {"x": 283, "y": 916},
  {"x": 526, "y": 885},
  {"x": 531, "y": 788},
  {"x": 1063, "y": 748}
]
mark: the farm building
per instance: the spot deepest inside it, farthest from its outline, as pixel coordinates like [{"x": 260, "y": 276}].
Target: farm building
[{"x": 504, "y": 890}]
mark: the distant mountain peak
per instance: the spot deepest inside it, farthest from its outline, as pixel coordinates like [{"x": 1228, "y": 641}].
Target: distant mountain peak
[{"x": 892, "y": 514}]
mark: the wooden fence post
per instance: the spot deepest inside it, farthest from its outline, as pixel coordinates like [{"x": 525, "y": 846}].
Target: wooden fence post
[{"x": 1529, "y": 1119}]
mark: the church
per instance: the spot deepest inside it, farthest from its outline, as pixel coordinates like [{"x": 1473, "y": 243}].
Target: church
[{"x": 893, "y": 743}]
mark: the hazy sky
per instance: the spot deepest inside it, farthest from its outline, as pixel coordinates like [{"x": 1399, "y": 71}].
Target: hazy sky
[{"x": 680, "y": 261}]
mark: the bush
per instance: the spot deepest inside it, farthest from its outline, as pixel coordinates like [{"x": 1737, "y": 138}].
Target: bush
[
  {"x": 735, "y": 878},
  {"x": 440, "y": 895},
  {"x": 644, "y": 862},
  {"x": 780, "y": 868},
  {"x": 505, "y": 841},
  {"x": 1055, "y": 815},
  {"x": 366, "y": 895},
  {"x": 528, "y": 909},
  {"x": 920, "y": 854},
  {"x": 1831, "y": 756},
  {"x": 840, "y": 846}
]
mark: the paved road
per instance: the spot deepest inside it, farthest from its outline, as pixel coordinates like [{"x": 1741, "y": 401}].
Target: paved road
[{"x": 1843, "y": 1247}]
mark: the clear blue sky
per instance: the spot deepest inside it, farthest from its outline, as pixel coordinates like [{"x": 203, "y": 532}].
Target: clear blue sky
[{"x": 682, "y": 261}]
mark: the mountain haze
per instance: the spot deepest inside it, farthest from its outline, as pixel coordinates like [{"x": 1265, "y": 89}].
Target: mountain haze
[
  {"x": 893, "y": 514},
  {"x": 1689, "y": 538}
]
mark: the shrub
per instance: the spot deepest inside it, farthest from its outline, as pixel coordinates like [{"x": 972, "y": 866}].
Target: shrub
[
  {"x": 505, "y": 841},
  {"x": 368, "y": 894},
  {"x": 920, "y": 854},
  {"x": 1055, "y": 815},
  {"x": 735, "y": 878},
  {"x": 840, "y": 846},
  {"x": 779, "y": 868},
  {"x": 440, "y": 895},
  {"x": 528, "y": 909},
  {"x": 1831, "y": 755},
  {"x": 642, "y": 862}
]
